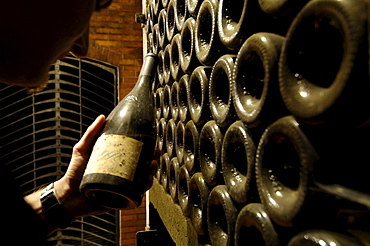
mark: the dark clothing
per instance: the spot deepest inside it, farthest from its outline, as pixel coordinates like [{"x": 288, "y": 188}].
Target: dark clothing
[{"x": 20, "y": 224}]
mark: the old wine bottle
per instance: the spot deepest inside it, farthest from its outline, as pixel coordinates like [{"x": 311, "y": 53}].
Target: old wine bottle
[
  {"x": 254, "y": 226},
  {"x": 115, "y": 175},
  {"x": 323, "y": 237}
]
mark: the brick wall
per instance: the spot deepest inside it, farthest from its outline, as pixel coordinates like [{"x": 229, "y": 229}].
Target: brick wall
[{"x": 116, "y": 38}]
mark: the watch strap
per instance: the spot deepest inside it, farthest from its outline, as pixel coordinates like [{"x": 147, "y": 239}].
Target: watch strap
[{"x": 55, "y": 213}]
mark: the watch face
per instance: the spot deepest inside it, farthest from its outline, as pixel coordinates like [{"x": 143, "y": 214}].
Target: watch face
[{"x": 47, "y": 191}]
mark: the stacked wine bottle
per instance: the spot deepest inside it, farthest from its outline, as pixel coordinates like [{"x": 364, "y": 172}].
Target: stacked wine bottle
[{"x": 262, "y": 113}]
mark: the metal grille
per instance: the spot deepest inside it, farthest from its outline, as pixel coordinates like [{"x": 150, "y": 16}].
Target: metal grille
[{"x": 38, "y": 132}]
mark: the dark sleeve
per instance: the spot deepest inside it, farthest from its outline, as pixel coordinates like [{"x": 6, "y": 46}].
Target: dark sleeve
[{"x": 20, "y": 224}]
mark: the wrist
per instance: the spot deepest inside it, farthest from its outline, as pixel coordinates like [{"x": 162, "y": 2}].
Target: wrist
[{"x": 55, "y": 213}]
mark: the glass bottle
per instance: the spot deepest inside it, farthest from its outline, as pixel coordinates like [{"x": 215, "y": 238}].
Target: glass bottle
[{"x": 117, "y": 171}]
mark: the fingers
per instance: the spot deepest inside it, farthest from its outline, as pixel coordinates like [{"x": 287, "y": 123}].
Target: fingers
[
  {"x": 82, "y": 150},
  {"x": 89, "y": 138}
]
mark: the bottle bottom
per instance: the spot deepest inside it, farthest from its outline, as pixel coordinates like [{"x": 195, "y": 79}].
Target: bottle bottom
[{"x": 111, "y": 191}]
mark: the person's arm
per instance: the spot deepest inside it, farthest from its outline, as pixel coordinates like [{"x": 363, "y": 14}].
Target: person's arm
[{"x": 67, "y": 188}]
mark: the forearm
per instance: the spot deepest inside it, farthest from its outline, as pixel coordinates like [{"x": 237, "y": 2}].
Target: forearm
[{"x": 34, "y": 201}]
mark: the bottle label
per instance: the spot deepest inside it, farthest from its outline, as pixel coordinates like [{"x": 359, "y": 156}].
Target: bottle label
[{"x": 116, "y": 155}]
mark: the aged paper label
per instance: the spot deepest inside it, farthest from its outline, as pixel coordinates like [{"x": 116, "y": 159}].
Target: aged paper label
[{"x": 116, "y": 155}]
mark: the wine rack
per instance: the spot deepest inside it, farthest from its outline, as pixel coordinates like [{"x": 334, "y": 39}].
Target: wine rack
[{"x": 267, "y": 109}]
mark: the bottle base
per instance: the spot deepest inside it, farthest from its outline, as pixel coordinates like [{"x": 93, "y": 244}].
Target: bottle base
[{"x": 110, "y": 191}]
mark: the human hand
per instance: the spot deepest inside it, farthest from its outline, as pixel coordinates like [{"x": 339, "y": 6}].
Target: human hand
[{"x": 67, "y": 188}]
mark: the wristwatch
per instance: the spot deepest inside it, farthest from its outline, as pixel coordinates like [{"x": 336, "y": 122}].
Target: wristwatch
[{"x": 55, "y": 213}]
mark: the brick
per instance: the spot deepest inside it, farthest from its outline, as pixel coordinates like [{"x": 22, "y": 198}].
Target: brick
[
  {"x": 131, "y": 229},
  {"x": 132, "y": 68},
  {"x": 131, "y": 44},
  {"x": 99, "y": 36},
  {"x": 133, "y": 223},
  {"x": 130, "y": 62},
  {"x": 108, "y": 43},
  {"x": 129, "y": 236},
  {"x": 108, "y": 30},
  {"x": 114, "y": 6},
  {"x": 128, "y": 74},
  {"x": 141, "y": 216},
  {"x": 131, "y": 2},
  {"x": 129, "y": 242},
  {"x": 129, "y": 217},
  {"x": 109, "y": 18}
]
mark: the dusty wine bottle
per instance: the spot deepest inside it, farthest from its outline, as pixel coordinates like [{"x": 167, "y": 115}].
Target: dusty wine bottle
[
  {"x": 323, "y": 62},
  {"x": 221, "y": 216},
  {"x": 198, "y": 101},
  {"x": 220, "y": 94},
  {"x": 174, "y": 101},
  {"x": 255, "y": 85},
  {"x": 116, "y": 174},
  {"x": 253, "y": 226},
  {"x": 210, "y": 146},
  {"x": 166, "y": 102},
  {"x": 323, "y": 237},
  {"x": 198, "y": 197},
  {"x": 170, "y": 21},
  {"x": 173, "y": 179},
  {"x": 237, "y": 160},
  {"x": 170, "y": 138}
]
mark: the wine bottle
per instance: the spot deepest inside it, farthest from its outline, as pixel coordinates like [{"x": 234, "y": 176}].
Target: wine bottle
[
  {"x": 255, "y": 84},
  {"x": 281, "y": 7},
  {"x": 164, "y": 165},
  {"x": 161, "y": 135},
  {"x": 236, "y": 20},
  {"x": 193, "y": 7},
  {"x": 220, "y": 95},
  {"x": 208, "y": 47},
  {"x": 155, "y": 33},
  {"x": 174, "y": 101},
  {"x": 284, "y": 163},
  {"x": 237, "y": 158},
  {"x": 158, "y": 103},
  {"x": 157, "y": 7},
  {"x": 155, "y": 84},
  {"x": 166, "y": 102},
  {"x": 167, "y": 77},
  {"x": 116, "y": 174},
  {"x": 198, "y": 101},
  {"x": 183, "y": 190},
  {"x": 165, "y": 3},
  {"x": 221, "y": 216},
  {"x": 173, "y": 179},
  {"x": 149, "y": 43},
  {"x": 170, "y": 138},
  {"x": 198, "y": 198},
  {"x": 162, "y": 37},
  {"x": 181, "y": 14},
  {"x": 323, "y": 63},
  {"x": 170, "y": 21},
  {"x": 179, "y": 142},
  {"x": 210, "y": 144},
  {"x": 191, "y": 143},
  {"x": 253, "y": 226},
  {"x": 183, "y": 98},
  {"x": 188, "y": 58},
  {"x": 160, "y": 69},
  {"x": 175, "y": 64},
  {"x": 323, "y": 238}
]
